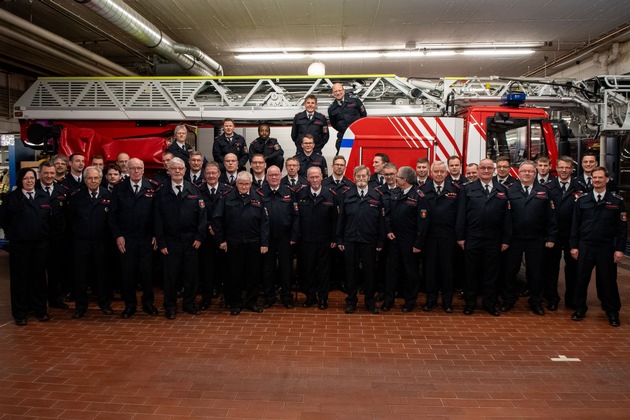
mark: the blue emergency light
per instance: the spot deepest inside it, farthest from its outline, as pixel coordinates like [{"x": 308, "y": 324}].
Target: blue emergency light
[{"x": 514, "y": 99}]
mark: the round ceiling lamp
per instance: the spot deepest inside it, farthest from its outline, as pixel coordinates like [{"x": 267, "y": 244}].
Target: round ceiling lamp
[{"x": 317, "y": 69}]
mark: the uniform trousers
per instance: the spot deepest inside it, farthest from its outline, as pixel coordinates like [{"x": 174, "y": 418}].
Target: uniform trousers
[
  {"x": 552, "y": 272},
  {"x": 278, "y": 261},
  {"x": 243, "y": 273},
  {"x": 365, "y": 253},
  {"x": 182, "y": 259},
  {"x": 533, "y": 249},
  {"x": 211, "y": 269},
  {"x": 440, "y": 270},
  {"x": 482, "y": 257},
  {"x": 56, "y": 269},
  {"x": 401, "y": 255},
  {"x": 89, "y": 268},
  {"x": 599, "y": 257},
  {"x": 315, "y": 270},
  {"x": 136, "y": 263},
  {"x": 27, "y": 272}
]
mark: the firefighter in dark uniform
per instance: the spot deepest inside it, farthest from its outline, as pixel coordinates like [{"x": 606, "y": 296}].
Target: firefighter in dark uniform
[
  {"x": 293, "y": 179},
  {"x": 388, "y": 189},
  {"x": 483, "y": 230},
  {"x": 162, "y": 176},
  {"x": 194, "y": 174},
  {"x": 211, "y": 270},
  {"x": 534, "y": 228},
  {"x": 241, "y": 226},
  {"x": 279, "y": 200},
  {"x": 131, "y": 222},
  {"x": 598, "y": 240},
  {"x": 268, "y": 147},
  {"x": 57, "y": 244},
  {"x": 564, "y": 191},
  {"x": 229, "y": 169},
  {"x": 24, "y": 216},
  {"x": 88, "y": 210},
  {"x": 318, "y": 223},
  {"x": 308, "y": 157},
  {"x": 378, "y": 162},
  {"x": 503, "y": 176},
  {"x": 310, "y": 122},
  {"x": 180, "y": 227},
  {"x": 455, "y": 175},
  {"x": 360, "y": 233},
  {"x": 407, "y": 223},
  {"x": 442, "y": 198},
  {"x": 179, "y": 148},
  {"x": 74, "y": 179},
  {"x": 343, "y": 111},
  {"x": 230, "y": 142}
]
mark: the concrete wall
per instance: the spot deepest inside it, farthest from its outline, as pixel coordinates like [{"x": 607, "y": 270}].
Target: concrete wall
[{"x": 615, "y": 60}]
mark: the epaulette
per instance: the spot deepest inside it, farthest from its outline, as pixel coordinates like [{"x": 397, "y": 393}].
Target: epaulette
[
  {"x": 153, "y": 182},
  {"x": 582, "y": 195},
  {"x": 614, "y": 194},
  {"x": 455, "y": 185},
  {"x": 259, "y": 192},
  {"x": 420, "y": 193},
  {"x": 63, "y": 186},
  {"x": 73, "y": 193},
  {"x": 332, "y": 191},
  {"x": 378, "y": 191}
]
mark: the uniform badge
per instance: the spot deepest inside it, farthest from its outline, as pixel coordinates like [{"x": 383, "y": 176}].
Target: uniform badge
[
  {"x": 202, "y": 204},
  {"x": 623, "y": 216},
  {"x": 553, "y": 206},
  {"x": 423, "y": 213},
  {"x": 325, "y": 129}
]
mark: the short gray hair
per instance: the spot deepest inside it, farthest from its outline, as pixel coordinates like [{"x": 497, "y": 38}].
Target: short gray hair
[{"x": 408, "y": 174}]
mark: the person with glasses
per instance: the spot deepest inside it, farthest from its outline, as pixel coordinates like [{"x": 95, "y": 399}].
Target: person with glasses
[{"x": 483, "y": 231}]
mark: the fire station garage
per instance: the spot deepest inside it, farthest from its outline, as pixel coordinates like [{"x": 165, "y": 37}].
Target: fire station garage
[{"x": 333, "y": 209}]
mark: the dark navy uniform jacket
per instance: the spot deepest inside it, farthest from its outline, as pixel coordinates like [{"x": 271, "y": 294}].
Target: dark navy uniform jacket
[
  {"x": 132, "y": 215},
  {"x": 602, "y": 224},
  {"x": 344, "y": 185},
  {"x": 71, "y": 184},
  {"x": 238, "y": 146},
  {"x": 386, "y": 195},
  {"x": 341, "y": 116},
  {"x": 58, "y": 207},
  {"x": 178, "y": 152},
  {"x": 241, "y": 220},
  {"x": 459, "y": 182},
  {"x": 443, "y": 209},
  {"x": 408, "y": 217},
  {"x": 162, "y": 177},
  {"x": 565, "y": 203},
  {"x": 375, "y": 181},
  {"x": 23, "y": 219},
  {"x": 533, "y": 216},
  {"x": 270, "y": 149},
  {"x": 481, "y": 217},
  {"x": 283, "y": 214},
  {"x": 179, "y": 219},
  {"x": 318, "y": 217},
  {"x": 301, "y": 183},
  {"x": 361, "y": 219},
  {"x": 508, "y": 181},
  {"x": 200, "y": 177},
  {"x": 90, "y": 219},
  {"x": 315, "y": 159},
  {"x": 317, "y": 127},
  {"x": 212, "y": 200}
]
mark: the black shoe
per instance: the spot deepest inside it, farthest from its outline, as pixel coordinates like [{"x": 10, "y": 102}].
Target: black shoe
[
  {"x": 552, "y": 306},
  {"x": 350, "y": 309},
  {"x": 235, "y": 311},
  {"x": 44, "y": 318},
  {"x": 268, "y": 305},
  {"x": 380, "y": 297},
  {"x": 151, "y": 310},
  {"x": 537, "y": 309},
  {"x": 448, "y": 309},
  {"x": 78, "y": 314},
  {"x": 372, "y": 309},
  {"x": 308, "y": 303},
  {"x": 525, "y": 293},
  {"x": 204, "y": 305},
  {"x": 506, "y": 307},
  {"x": 288, "y": 305},
  {"x": 613, "y": 319},
  {"x": 407, "y": 308},
  {"x": 170, "y": 314},
  {"x": 578, "y": 315},
  {"x": 58, "y": 304},
  {"x": 468, "y": 310},
  {"x": 127, "y": 313},
  {"x": 20, "y": 322},
  {"x": 106, "y": 310},
  {"x": 323, "y": 305},
  {"x": 256, "y": 308},
  {"x": 193, "y": 310},
  {"x": 386, "y": 307},
  {"x": 429, "y": 307},
  {"x": 492, "y": 310}
]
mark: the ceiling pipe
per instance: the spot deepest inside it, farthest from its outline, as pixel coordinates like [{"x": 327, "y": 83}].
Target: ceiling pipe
[
  {"x": 104, "y": 66},
  {"x": 127, "y": 19}
]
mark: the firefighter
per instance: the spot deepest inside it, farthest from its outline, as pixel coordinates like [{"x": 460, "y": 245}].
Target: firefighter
[
  {"x": 210, "y": 267},
  {"x": 503, "y": 176},
  {"x": 455, "y": 171},
  {"x": 131, "y": 222},
  {"x": 472, "y": 172},
  {"x": 88, "y": 210},
  {"x": 179, "y": 148},
  {"x": 534, "y": 228},
  {"x": 483, "y": 229},
  {"x": 230, "y": 142},
  {"x": 267, "y": 146},
  {"x": 24, "y": 216},
  {"x": 564, "y": 190},
  {"x": 259, "y": 166},
  {"x": 229, "y": 169},
  {"x": 589, "y": 163},
  {"x": 389, "y": 172},
  {"x": 360, "y": 234},
  {"x": 406, "y": 225},
  {"x": 180, "y": 227},
  {"x": 422, "y": 171},
  {"x": 162, "y": 176},
  {"x": 241, "y": 225},
  {"x": 337, "y": 181},
  {"x": 598, "y": 240},
  {"x": 442, "y": 198},
  {"x": 73, "y": 180},
  {"x": 343, "y": 111},
  {"x": 122, "y": 160},
  {"x": 378, "y": 162},
  {"x": 318, "y": 222},
  {"x": 279, "y": 200},
  {"x": 61, "y": 167},
  {"x": 543, "y": 167},
  {"x": 194, "y": 174},
  {"x": 310, "y": 122},
  {"x": 308, "y": 157},
  {"x": 293, "y": 179}
]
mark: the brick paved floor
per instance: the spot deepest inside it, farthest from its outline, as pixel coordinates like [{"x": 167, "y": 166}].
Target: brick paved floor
[{"x": 311, "y": 364}]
